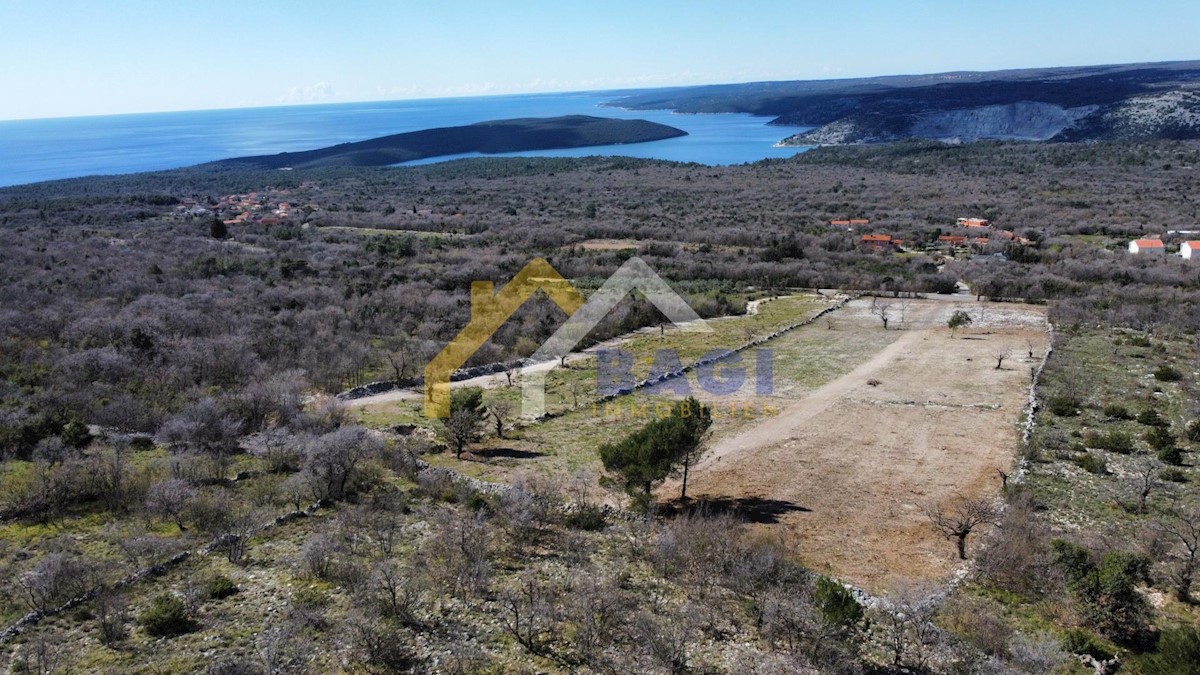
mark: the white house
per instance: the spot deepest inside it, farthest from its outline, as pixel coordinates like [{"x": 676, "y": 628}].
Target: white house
[
  {"x": 1151, "y": 246},
  {"x": 1189, "y": 249}
]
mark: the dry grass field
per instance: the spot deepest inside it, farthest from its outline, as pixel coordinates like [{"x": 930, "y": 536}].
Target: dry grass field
[{"x": 850, "y": 466}]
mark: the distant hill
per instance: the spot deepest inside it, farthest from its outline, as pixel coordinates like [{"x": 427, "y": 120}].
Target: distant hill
[
  {"x": 1130, "y": 102},
  {"x": 513, "y": 135}
]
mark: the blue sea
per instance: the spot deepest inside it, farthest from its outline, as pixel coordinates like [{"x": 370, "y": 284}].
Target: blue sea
[{"x": 47, "y": 149}]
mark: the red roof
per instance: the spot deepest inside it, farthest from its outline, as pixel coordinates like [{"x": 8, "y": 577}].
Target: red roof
[
  {"x": 952, "y": 238},
  {"x": 1191, "y": 244},
  {"x": 1149, "y": 243},
  {"x": 839, "y": 222},
  {"x": 859, "y": 221},
  {"x": 876, "y": 237}
]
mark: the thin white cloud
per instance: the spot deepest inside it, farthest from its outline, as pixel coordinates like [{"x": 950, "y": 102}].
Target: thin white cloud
[{"x": 321, "y": 91}]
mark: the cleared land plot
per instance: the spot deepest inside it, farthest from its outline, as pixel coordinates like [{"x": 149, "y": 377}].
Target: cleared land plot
[
  {"x": 846, "y": 466},
  {"x": 850, "y": 467}
]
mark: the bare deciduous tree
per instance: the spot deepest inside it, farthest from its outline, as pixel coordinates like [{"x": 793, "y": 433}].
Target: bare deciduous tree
[
  {"x": 204, "y": 427},
  {"x": 458, "y": 552},
  {"x": 959, "y": 518},
  {"x": 240, "y": 527},
  {"x": 882, "y": 310},
  {"x": 596, "y": 608},
  {"x": 1144, "y": 480},
  {"x": 56, "y": 578},
  {"x": 907, "y": 625},
  {"x": 331, "y": 461},
  {"x": 398, "y": 590},
  {"x": 666, "y": 639},
  {"x": 1001, "y": 355},
  {"x": 402, "y": 355},
  {"x": 112, "y": 612},
  {"x": 500, "y": 412},
  {"x": 1183, "y": 526},
  {"x": 170, "y": 499},
  {"x": 528, "y": 611}
]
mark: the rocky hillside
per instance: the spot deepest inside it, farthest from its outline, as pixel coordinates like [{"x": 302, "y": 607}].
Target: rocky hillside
[
  {"x": 1129, "y": 102},
  {"x": 1172, "y": 114}
]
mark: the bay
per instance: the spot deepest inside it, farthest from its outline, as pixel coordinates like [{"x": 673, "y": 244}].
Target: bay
[{"x": 48, "y": 149}]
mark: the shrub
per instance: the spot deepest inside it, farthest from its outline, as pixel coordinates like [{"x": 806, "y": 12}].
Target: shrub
[
  {"x": 1116, "y": 411},
  {"x": 978, "y": 621},
  {"x": 1151, "y": 418},
  {"x": 477, "y": 501},
  {"x": 1080, "y": 641},
  {"x": 1192, "y": 433},
  {"x": 1139, "y": 341},
  {"x": 1178, "y": 652},
  {"x": 76, "y": 434},
  {"x": 1171, "y": 455},
  {"x": 167, "y": 616},
  {"x": 1165, "y": 373},
  {"x": 1114, "y": 441},
  {"x": 836, "y": 605},
  {"x": 319, "y": 555},
  {"x": 1063, "y": 406},
  {"x": 587, "y": 517},
  {"x": 111, "y": 615},
  {"x": 310, "y": 597},
  {"x": 1050, "y": 441},
  {"x": 1106, "y": 592},
  {"x": 1173, "y": 475},
  {"x": 141, "y": 442},
  {"x": 1159, "y": 438},
  {"x": 1092, "y": 463},
  {"x": 219, "y": 587}
]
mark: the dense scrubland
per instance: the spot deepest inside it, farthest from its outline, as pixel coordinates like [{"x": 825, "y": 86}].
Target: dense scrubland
[{"x": 166, "y": 384}]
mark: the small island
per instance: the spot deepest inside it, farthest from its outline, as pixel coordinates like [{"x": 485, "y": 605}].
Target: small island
[{"x": 515, "y": 135}]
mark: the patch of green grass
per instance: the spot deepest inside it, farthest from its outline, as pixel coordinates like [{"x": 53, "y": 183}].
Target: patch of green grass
[{"x": 385, "y": 415}]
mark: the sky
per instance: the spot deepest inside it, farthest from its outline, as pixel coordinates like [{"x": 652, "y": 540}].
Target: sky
[{"x": 82, "y": 57}]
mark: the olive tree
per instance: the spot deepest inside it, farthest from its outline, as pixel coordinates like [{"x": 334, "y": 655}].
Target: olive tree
[
  {"x": 466, "y": 417},
  {"x": 959, "y": 319}
]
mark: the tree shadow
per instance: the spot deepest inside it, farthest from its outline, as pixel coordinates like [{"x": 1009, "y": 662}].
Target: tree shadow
[
  {"x": 751, "y": 509},
  {"x": 505, "y": 453}
]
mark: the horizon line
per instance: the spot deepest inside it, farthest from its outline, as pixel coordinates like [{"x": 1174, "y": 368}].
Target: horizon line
[{"x": 577, "y": 91}]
